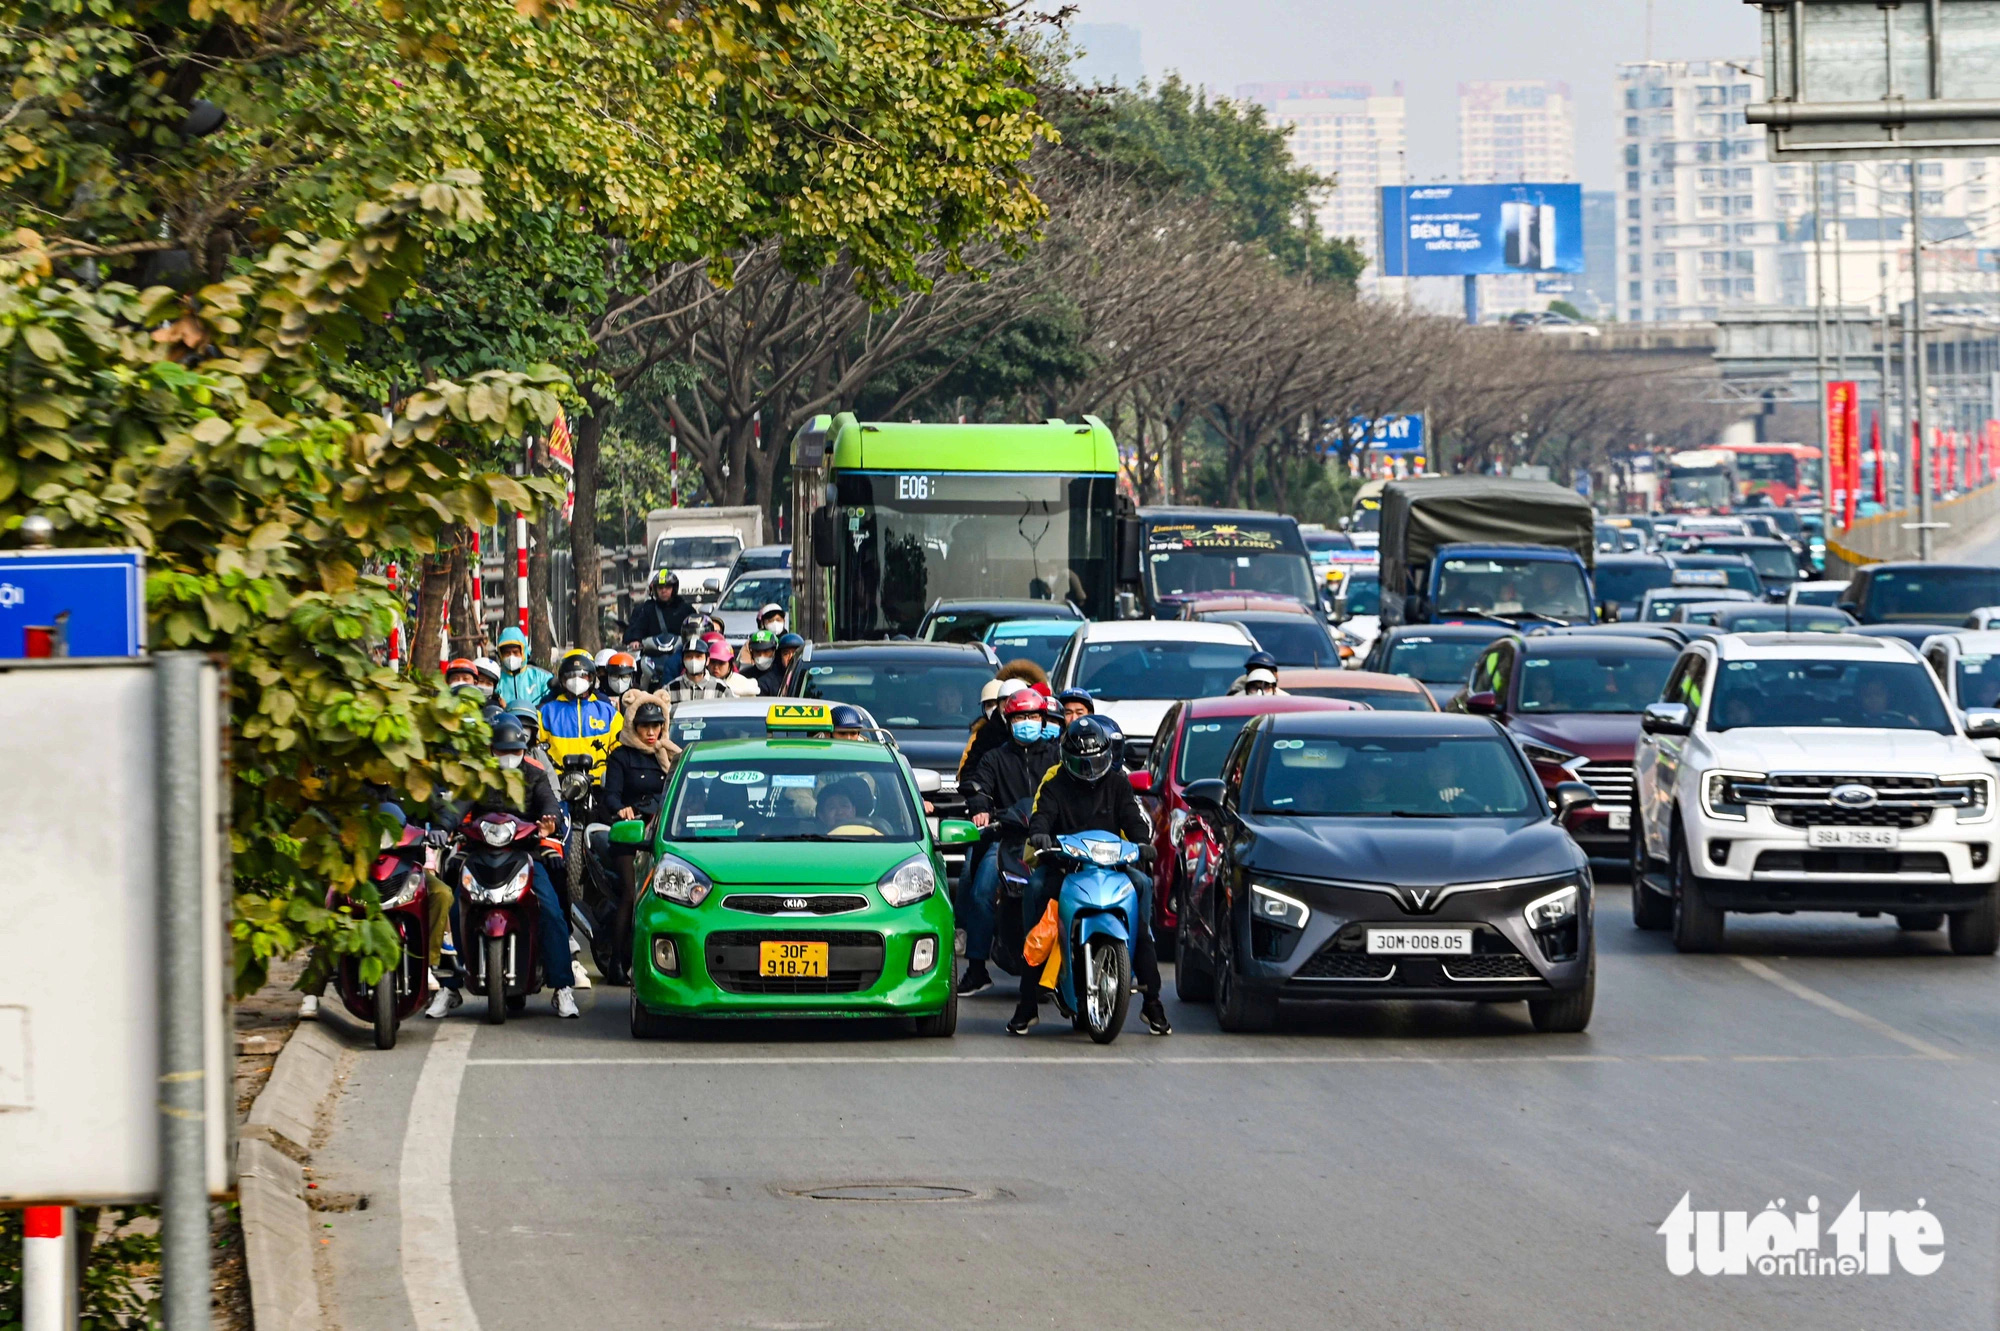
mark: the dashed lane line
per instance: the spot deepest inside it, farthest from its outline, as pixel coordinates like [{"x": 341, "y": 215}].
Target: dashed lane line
[{"x": 1840, "y": 1009}]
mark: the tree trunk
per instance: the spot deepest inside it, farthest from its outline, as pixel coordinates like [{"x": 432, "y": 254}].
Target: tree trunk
[
  {"x": 541, "y": 632},
  {"x": 433, "y": 591},
  {"x": 465, "y": 627},
  {"x": 587, "y": 441}
]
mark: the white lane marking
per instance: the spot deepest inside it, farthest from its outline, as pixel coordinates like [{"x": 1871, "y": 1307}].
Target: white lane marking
[
  {"x": 1108, "y": 1060},
  {"x": 1840, "y": 1009},
  {"x": 433, "y": 1279}
]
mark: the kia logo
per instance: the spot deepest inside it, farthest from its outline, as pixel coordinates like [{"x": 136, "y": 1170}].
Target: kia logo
[
  {"x": 1853, "y": 796},
  {"x": 796, "y": 903}
]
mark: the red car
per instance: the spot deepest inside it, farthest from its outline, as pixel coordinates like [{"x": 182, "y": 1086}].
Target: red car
[{"x": 1190, "y": 746}]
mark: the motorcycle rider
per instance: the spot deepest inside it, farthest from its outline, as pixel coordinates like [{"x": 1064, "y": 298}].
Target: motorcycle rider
[
  {"x": 519, "y": 681},
  {"x": 771, "y": 618},
  {"x": 635, "y": 782},
  {"x": 486, "y": 674},
  {"x": 1004, "y": 777},
  {"x": 510, "y": 748},
  {"x": 531, "y": 721},
  {"x": 763, "y": 668},
  {"x": 1259, "y": 677},
  {"x": 694, "y": 683},
  {"x": 789, "y": 647},
  {"x": 722, "y": 668},
  {"x": 1087, "y": 792},
  {"x": 663, "y": 614},
  {"x": 574, "y": 718},
  {"x": 459, "y": 672},
  {"x": 1075, "y": 703},
  {"x": 620, "y": 674}
]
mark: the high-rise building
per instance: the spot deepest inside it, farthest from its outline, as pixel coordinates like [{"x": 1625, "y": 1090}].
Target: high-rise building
[
  {"x": 1516, "y": 129},
  {"x": 1107, "y": 53},
  {"x": 1596, "y": 287},
  {"x": 1346, "y": 132}
]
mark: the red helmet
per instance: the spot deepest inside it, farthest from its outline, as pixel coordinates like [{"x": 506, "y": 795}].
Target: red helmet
[
  {"x": 458, "y": 664},
  {"x": 1021, "y": 703}
]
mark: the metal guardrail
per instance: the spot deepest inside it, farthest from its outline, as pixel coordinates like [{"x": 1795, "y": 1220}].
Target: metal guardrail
[{"x": 1894, "y": 535}]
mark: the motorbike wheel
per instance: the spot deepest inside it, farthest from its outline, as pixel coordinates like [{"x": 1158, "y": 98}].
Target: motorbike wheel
[
  {"x": 496, "y": 982},
  {"x": 1105, "y": 1006},
  {"x": 573, "y": 854},
  {"x": 385, "y": 1011}
]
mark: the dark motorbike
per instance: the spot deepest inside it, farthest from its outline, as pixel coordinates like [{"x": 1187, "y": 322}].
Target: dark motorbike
[
  {"x": 500, "y": 952},
  {"x": 399, "y": 877},
  {"x": 1007, "y": 837},
  {"x": 659, "y": 661}
]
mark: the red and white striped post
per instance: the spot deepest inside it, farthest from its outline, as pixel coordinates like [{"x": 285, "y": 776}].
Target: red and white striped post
[
  {"x": 48, "y": 1269},
  {"x": 395, "y": 625},
  {"x": 521, "y": 568}
]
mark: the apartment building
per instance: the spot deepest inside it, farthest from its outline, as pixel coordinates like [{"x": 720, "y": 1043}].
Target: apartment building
[{"x": 1347, "y": 132}]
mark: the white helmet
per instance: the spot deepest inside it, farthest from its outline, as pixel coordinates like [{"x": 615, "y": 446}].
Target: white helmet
[
  {"x": 1010, "y": 687},
  {"x": 1261, "y": 676},
  {"x": 603, "y": 658},
  {"x": 990, "y": 692}
]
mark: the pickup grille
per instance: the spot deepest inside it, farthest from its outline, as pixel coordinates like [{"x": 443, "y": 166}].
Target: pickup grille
[
  {"x": 1611, "y": 781},
  {"x": 1882, "y": 815},
  {"x": 1804, "y": 799}
]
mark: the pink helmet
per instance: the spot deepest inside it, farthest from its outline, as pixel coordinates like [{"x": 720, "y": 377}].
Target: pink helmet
[{"x": 718, "y": 650}]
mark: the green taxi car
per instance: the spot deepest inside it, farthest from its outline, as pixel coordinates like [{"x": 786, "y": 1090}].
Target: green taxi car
[{"x": 793, "y": 876}]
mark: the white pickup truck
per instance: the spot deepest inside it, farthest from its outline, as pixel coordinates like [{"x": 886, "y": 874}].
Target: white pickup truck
[{"x": 1812, "y": 772}]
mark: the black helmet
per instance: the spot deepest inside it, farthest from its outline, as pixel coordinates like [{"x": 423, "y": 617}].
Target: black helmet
[
  {"x": 1260, "y": 661},
  {"x": 509, "y": 736},
  {"x": 666, "y": 577},
  {"x": 1090, "y": 749},
  {"x": 790, "y": 642},
  {"x": 649, "y": 714},
  {"x": 528, "y": 718},
  {"x": 846, "y": 716}
]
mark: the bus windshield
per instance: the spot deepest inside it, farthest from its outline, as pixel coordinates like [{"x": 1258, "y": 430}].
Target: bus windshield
[
  {"x": 907, "y": 540},
  {"x": 1496, "y": 585},
  {"x": 1227, "y": 555},
  {"x": 1700, "y": 487}
]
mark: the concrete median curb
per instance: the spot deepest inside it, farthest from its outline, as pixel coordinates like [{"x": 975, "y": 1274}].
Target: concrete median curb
[{"x": 275, "y": 1140}]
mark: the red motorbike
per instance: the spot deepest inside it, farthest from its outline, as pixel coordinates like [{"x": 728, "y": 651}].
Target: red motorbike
[
  {"x": 500, "y": 953},
  {"x": 401, "y": 882}
]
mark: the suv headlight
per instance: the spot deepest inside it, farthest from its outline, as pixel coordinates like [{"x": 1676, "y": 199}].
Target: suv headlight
[
  {"x": 1267, "y": 903},
  {"x": 675, "y": 880},
  {"x": 909, "y": 882},
  {"x": 1548, "y": 755},
  {"x": 1549, "y": 911},
  {"x": 1981, "y": 786},
  {"x": 1719, "y": 798}
]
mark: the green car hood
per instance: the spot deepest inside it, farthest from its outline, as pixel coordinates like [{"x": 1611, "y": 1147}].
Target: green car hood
[{"x": 795, "y": 863}]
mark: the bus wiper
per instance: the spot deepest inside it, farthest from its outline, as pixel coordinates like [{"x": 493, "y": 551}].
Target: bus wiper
[{"x": 1481, "y": 614}]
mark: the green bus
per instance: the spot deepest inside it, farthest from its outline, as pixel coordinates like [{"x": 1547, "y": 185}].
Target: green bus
[{"x": 902, "y": 514}]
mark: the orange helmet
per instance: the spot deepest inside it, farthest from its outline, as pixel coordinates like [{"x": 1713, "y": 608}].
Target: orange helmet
[{"x": 459, "y": 664}]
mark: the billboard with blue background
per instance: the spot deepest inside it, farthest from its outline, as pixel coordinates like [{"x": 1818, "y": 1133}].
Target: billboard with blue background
[{"x": 1466, "y": 230}]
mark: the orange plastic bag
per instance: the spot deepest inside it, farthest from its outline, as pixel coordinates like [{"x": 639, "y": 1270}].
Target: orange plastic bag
[{"x": 1041, "y": 939}]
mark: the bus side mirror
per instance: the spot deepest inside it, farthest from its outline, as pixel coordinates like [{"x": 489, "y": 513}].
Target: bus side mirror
[
  {"x": 1129, "y": 540},
  {"x": 825, "y": 538}
]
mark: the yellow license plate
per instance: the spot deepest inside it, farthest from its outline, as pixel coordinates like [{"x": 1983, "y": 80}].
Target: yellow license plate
[{"x": 798, "y": 961}]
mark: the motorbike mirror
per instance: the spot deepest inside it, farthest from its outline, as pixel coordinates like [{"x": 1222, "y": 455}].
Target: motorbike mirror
[
  {"x": 1571, "y": 796},
  {"x": 576, "y": 762},
  {"x": 928, "y": 781},
  {"x": 1340, "y": 615},
  {"x": 1142, "y": 782},
  {"x": 956, "y": 832},
  {"x": 1206, "y": 794},
  {"x": 629, "y": 832}
]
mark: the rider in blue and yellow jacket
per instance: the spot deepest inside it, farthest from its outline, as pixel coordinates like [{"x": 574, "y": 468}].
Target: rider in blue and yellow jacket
[{"x": 575, "y": 719}]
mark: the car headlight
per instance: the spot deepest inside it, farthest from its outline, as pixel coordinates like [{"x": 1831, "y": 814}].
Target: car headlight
[
  {"x": 1274, "y": 907},
  {"x": 1719, "y": 797},
  {"x": 1981, "y": 806},
  {"x": 909, "y": 882},
  {"x": 1555, "y": 908},
  {"x": 1548, "y": 755},
  {"x": 675, "y": 880}
]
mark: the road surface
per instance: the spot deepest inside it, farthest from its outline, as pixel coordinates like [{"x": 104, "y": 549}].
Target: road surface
[{"x": 1406, "y": 1166}]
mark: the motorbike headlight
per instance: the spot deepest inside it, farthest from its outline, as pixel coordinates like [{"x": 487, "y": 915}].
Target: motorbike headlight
[
  {"x": 1107, "y": 853},
  {"x": 467, "y": 881},
  {"x": 515, "y": 888},
  {"x": 1549, "y": 911},
  {"x": 1275, "y": 907},
  {"x": 497, "y": 833},
  {"x": 404, "y": 895},
  {"x": 675, "y": 880},
  {"x": 909, "y": 882}
]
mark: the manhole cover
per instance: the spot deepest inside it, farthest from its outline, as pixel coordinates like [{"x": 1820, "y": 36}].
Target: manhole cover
[{"x": 888, "y": 1192}]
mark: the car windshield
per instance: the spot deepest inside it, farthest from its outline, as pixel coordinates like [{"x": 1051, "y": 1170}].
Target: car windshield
[
  {"x": 1775, "y": 620},
  {"x": 1363, "y": 592},
  {"x": 1660, "y": 609},
  {"x": 1821, "y": 595},
  {"x": 1379, "y": 776},
  {"x": 1206, "y": 744},
  {"x": 1175, "y": 668},
  {"x": 693, "y": 725},
  {"x": 1492, "y": 584},
  {"x": 1605, "y": 681},
  {"x": 756, "y": 593},
  {"x": 902, "y": 695},
  {"x": 1735, "y": 573},
  {"x": 1187, "y": 555},
  {"x": 1435, "y": 660},
  {"x": 776, "y": 797},
  {"x": 1921, "y": 595},
  {"x": 1294, "y": 639},
  {"x": 696, "y": 551},
  {"x": 1770, "y": 561},
  {"x": 1038, "y": 646},
  {"x": 1978, "y": 681},
  {"x": 1886, "y": 695},
  {"x": 1381, "y": 700},
  {"x": 1624, "y": 584},
  {"x": 1328, "y": 541}
]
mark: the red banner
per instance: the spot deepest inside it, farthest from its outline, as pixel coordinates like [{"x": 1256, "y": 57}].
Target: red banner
[
  {"x": 1881, "y": 471},
  {"x": 560, "y": 451},
  {"x": 1842, "y": 426}
]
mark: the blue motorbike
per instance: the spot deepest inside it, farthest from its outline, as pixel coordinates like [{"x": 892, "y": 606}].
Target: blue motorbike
[{"x": 1098, "y": 911}]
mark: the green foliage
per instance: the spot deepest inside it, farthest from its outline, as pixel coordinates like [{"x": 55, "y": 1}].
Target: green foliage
[
  {"x": 1563, "y": 307},
  {"x": 983, "y": 369}
]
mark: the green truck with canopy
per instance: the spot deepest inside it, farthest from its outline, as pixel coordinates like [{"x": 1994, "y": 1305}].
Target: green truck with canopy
[{"x": 1458, "y": 548}]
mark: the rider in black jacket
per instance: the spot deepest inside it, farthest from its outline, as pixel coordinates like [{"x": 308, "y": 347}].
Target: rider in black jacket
[
  {"x": 663, "y": 614},
  {"x": 1004, "y": 777}
]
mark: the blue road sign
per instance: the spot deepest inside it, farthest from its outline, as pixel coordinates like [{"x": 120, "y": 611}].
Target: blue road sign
[
  {"x": 1465, "y": 230},
  {"x": 103, "y": 593},
  {"x": 1389, "y": 434}
]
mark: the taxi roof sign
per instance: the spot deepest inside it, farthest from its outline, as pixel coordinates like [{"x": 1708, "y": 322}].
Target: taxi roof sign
[
  {"x": 1701, "y": 577},
  {"x": 799, "y": 716}
]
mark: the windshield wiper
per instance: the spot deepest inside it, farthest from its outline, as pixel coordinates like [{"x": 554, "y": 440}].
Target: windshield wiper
[
  {"x": 1405, "y": 813},
  {"x": 1480, "y": 614}
]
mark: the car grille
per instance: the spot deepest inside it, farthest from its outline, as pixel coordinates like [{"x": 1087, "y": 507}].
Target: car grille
[
  {"x": 1852, "y": 862},
  {"x": 1329, "y": 964},
  {"x": 797, "y": 904},
  {"x": 853, "y": 961},
  {"x": 1611, "y": 781},
  {"x": 1801, "y": 799},
  {"x": 1797, "y": 815},
  {"x": 1489, "y": 968}
]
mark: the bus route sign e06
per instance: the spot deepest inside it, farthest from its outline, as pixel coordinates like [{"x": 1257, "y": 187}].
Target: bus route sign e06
[{"x": 1467, "y": 230}]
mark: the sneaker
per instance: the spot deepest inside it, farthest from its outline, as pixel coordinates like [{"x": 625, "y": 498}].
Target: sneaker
[
  {"x": 578, "y": 975},
  {"x": 974, "y": 981},
  {"x": 309, "y": 1007},
  {"x": 565, "y": 1002},
  {"x": 443, "y": 1001},
  {"x": 1155, "y": 1017},
  {"x": 1025, "y": 1019}
]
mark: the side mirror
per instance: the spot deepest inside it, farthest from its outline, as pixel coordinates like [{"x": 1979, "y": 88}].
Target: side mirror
[
  {"x": 1777, "y": 595},
  {"x": 1340, "y": 615},
  {"x": 825, "y": 538},
  {"x": 630, "y": 832},
  {"x": 956, "y": 832},
  {"x": 1483, "y": 703},
  {"x": 1131, "y": 550},
  {"x": 1851, "y": 607},
  {"x": 711, "y": 584},
  {"x": 1666, "y": 718},
  {"x": 1607, "y": 612},
  {"x": 1571, "y": 796},
  {"x": 1142, "y": 780},
  {"x": 1982, "y": 723},
  {"x": 1205, "y": 795},
  {"x": 928, "y": 781}
]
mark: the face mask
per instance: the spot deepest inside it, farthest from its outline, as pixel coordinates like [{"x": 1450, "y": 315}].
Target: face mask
[
  {"x": 989, "y": 708},
  {"x": 1050, "y": 730},
  {"x": 511, "y": 662},
  {"x": 509, "y": 761},
  {"x": 776, "y": 624},
  {"x": 576, "y": 685},
  {"x": 616, "y": 685},
  {"x": 694, "y": 665},
  {"x": 1028, "y": 730},
  {"x": 763, "y": 662}
]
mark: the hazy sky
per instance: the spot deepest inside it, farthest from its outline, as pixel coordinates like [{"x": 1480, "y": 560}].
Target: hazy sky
[{"x": 1431, "y": 46}]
